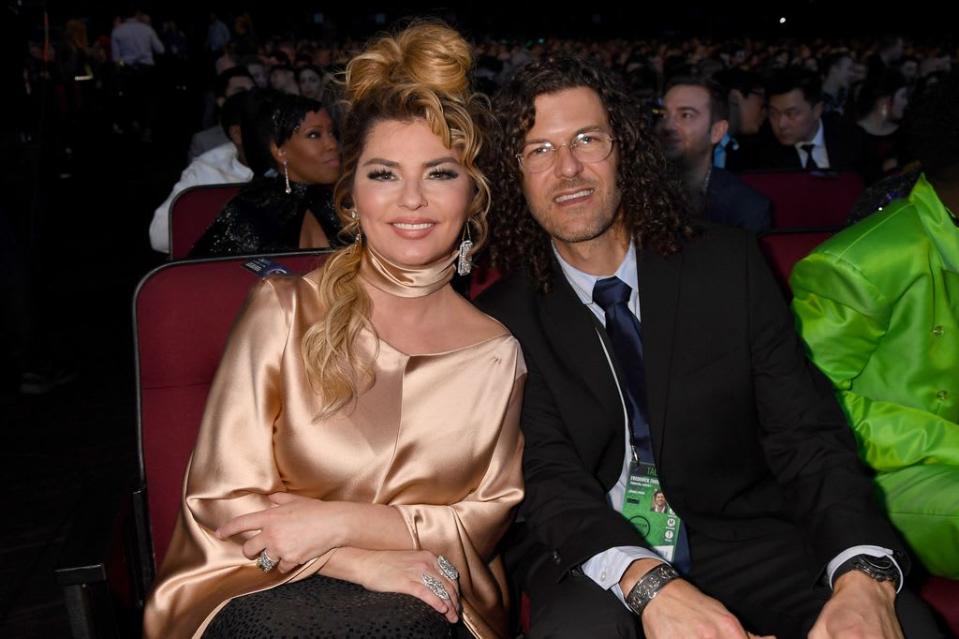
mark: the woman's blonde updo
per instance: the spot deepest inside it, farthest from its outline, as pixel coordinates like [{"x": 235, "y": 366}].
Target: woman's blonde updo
[
  {"x": 426, "y": 56},
  {"x": 421, "y": 72}
]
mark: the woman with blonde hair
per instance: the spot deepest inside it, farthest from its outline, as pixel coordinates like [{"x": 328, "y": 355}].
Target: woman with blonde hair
[{"x": 360, "y": 454}]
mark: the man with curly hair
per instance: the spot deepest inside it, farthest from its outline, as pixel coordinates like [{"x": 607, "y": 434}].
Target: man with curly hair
[
  {"x": 662, "y": 357},
  {"x": 878, "y": 306}
]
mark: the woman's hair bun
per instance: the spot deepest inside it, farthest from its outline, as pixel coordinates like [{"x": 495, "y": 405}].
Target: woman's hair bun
[{"x": 427, "y": 55}]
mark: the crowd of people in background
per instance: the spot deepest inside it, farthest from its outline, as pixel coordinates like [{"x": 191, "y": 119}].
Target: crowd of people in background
[
  {"x": 815, "y": 103},
  {"x": 268, "y": 113},
  {"x": 865, "y": 82}
]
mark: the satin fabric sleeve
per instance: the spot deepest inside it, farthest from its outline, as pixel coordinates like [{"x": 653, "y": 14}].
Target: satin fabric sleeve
[
  {"x": 231, "y": 472},
  {"x": 842, "y": 317},
  {"x": 467, "y": 532}
]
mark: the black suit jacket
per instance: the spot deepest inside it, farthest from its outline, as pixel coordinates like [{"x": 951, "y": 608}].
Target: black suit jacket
[
  {"x": 748, "y": 437},
  {"x": 843, "y": 145},
  {"x": 731, "y": 201}
]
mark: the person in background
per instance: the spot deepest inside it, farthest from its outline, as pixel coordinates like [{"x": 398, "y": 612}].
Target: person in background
[
  {"x": 837, "y": 71},
  {"x": 878, "y": 308},
  {"x": 283, "y": 78},
  {"x": 134, "y": 44},
  {"x": 309, "y": 79},
  {"x": 228, "y": 83},
  {"x": 293, "y": 207},
  {"x": 224, "y": 164},
  {"x": 746, "y": 96},
  {"x": 882, "y": 104},
  {"x": 695, "y": 119},
  {"x": 803, "y": 138}
]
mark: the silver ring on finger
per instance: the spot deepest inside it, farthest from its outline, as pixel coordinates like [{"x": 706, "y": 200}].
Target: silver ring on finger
[
  {"x": 447, "y": 568},
  {"x": 435, "y": 586},
  {"x": 265, "y": 563}
]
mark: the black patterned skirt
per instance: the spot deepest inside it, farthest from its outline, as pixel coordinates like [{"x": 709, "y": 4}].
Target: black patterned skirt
[{"x": 322, "y": 607}]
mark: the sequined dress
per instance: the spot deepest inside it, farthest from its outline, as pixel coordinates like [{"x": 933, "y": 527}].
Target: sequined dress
[{"x": 263, "y": 218}]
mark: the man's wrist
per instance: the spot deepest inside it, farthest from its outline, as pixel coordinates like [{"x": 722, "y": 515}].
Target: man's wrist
[
  {"x": 882, "y": 570},
  {"x": 856, "y": 580},
  {"x": 635, "y": 571},
  {"x": 648, "y": 586}
]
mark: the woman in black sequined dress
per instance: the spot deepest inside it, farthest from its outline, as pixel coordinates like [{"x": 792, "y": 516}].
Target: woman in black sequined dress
[{"x": 292, "y": 206}]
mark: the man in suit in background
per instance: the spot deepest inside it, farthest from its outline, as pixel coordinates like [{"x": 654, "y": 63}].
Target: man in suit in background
[
  {"x": 746, "y": 95},
  {"x": 662, "y": 358},
  {"x": 695, "y": 119},
  {"x": 804, "y": 138},
  {"x": 230, "y": 82}
]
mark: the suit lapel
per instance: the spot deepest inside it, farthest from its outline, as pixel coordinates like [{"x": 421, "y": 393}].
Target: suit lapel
[
  {"x": 571, "y": 330},
  {"x": 834, "y": 146},
  {"x": 659, "y": 286}
]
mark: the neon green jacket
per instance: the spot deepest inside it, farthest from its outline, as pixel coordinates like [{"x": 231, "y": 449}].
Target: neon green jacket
[{"x": 878, "y": 307}]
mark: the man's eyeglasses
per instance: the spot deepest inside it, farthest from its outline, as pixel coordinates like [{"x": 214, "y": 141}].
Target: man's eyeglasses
[{"x": 588, "y": 147}]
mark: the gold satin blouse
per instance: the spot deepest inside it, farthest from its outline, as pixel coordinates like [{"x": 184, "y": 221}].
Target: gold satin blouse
[{"x": 437, "y": 436}]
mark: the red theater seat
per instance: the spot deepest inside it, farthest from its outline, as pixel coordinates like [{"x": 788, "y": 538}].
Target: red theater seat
[
  {"x": 784, "y": 249},
  {"x": 807, "y": 200},
  {"x": 943, "y": 595},
  {"x": 182, "y": 313},
  {"x": 192, "y": 212}
]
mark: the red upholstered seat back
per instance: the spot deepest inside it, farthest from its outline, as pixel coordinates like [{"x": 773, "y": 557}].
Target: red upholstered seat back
[
  {"x": 807, "y": 199},
  {"x": 192, "y": 212},
  {"x": 183, "y": 312},
  {"x": 783, "y": 250},
  {"x": 943, "y": 595}
]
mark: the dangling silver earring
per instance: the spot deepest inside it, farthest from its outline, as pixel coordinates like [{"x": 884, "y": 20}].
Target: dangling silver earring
[
  {"x": 358, "y": 238},
  {"x": 464, "y": 264},
  {"x": 286, "y": 178}
]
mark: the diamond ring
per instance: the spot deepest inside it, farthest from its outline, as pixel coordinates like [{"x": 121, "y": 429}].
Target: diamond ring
[
  {"x": 264, "y": 563},
  {"x": 447, "y": 568},
  {"x": 435, "y": 586}
]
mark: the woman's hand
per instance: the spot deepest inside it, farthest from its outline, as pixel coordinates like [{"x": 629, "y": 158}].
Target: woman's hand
[
  {"x": 294, "y": 531},
  {"x": 398, "y": 571}
]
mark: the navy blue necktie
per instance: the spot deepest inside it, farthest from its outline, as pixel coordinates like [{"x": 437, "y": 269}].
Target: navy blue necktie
[
  {"x": 625, "y": 335},
  {"x": 623, "y": 329}
]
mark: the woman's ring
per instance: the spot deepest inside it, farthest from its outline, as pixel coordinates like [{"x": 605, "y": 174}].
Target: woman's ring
[
  {"x": 435, "y": 586},
  {"x": 264, "y": 563},
  {"x": 448, "y": 569}
]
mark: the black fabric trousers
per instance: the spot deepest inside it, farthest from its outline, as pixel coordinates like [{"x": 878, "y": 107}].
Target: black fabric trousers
[
  {"x": 322, "y": 607},
  {"x": 766, "y": 582}
]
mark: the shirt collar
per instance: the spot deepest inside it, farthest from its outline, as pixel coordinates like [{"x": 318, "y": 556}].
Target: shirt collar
[
  {"x": 583, "y": 283},
  {"x": 817, "y": 140}
]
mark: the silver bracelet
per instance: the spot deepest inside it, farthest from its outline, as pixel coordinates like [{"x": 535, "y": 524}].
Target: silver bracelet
[{"x": 649, "y": 586}]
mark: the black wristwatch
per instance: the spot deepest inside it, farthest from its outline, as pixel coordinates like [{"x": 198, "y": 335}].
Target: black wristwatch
[{"x": 879, "y": 568}]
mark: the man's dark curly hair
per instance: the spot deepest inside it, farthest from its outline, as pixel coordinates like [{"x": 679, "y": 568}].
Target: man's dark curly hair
[{"x": 652, "y": 206}]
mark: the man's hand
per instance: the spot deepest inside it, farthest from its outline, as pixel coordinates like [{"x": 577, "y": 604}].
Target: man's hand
[
  {"x": 681, "y": 610},
  {"x": 860, "y": 608}
]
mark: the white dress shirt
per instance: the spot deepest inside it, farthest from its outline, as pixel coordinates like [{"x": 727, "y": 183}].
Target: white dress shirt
[
  {"x": 219, "y": 165},
  {"x": 819, "y": 153},
  {"x": 607, "y": 568}
]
